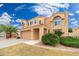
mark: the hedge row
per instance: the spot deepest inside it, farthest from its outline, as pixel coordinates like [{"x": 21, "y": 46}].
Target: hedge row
[
  {"x": 70, "y": 41},
  {"x": 53, "y": 40}
]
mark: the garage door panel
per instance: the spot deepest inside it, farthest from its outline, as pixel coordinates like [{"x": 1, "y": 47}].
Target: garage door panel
[{"x": 26, "y": 35}]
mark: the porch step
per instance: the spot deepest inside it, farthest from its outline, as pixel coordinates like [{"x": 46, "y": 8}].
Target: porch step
[{"x": 31, "y": 42}]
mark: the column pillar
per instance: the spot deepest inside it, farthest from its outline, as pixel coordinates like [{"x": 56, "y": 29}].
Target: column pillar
[
  {"x": 31, "y": 34},
  {"x": 47, "y": 30},
  {"x": 41, "y": 33},
  {"x": 51, "y": 27},
  {"x": 51, "y": 30}
]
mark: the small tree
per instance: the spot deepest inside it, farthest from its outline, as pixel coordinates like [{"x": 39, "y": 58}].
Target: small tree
[
  {"x": 59, "y": 33},
  {"x": 70, "y": 30}
]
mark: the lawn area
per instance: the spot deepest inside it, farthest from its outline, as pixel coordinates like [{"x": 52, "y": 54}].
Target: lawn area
[{"x": 28, "y": 50}]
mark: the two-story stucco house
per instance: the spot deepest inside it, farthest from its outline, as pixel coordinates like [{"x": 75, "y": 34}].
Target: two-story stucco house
[{"x": 34, "y": 29}]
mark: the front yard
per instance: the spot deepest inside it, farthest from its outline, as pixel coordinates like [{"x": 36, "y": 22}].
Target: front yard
[{"x": 29, "y": 50}]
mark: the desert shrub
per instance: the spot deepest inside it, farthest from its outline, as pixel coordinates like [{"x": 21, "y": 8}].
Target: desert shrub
[
  {"x": 70, "y": 41},
  {"x": 50, "y": 39},
  {"x": 59, "y": 33}
]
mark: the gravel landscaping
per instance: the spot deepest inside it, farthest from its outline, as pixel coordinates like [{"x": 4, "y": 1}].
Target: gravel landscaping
[{"x": 30, "y": 50}]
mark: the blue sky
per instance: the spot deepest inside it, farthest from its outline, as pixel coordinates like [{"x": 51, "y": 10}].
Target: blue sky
[{"x": 18, "y": 11}]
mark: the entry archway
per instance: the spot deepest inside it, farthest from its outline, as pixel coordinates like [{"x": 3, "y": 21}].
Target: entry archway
[{"x": 63, "y": 25}]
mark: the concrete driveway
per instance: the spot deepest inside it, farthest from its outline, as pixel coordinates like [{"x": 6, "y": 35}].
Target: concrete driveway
[{"x": 10, "y": 42}]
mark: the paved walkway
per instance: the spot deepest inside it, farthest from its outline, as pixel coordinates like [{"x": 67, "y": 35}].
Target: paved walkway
[{"x": 31, "y": 42}]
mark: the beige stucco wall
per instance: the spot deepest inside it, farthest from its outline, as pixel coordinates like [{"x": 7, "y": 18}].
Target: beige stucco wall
[{"x": 24, "y": 24}]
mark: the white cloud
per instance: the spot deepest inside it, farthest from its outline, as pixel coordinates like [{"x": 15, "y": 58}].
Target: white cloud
[
  {"x": 44, "y": 10},
  {"x": 71, "y": 14},
  {"x": 47, "y": 9},
  {"x": 12, "y": 20},
  {"x": 5, "y": 18},
  {"x": 77, "y": 12},
  {"x": 59, "y": 5},
  {"x": 16, "y": 25},
  {"x": 13, "y": 14},
  {"x": 19, "y": 27},
  {"x": 18, "y": 20},
  {"x": 20, "y": 7},
  {"x": 1, "y": 5},
  {"x": 73, "y": 19},
  {"x": 76, "y": 25},
  {"x": 75, "y": 22}
]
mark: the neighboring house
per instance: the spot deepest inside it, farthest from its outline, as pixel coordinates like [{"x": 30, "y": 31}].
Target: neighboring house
[
  {"x": 2, "y": 35},
  {"x": 35, "y": 28},
  {"x": 75, "y": 32},
  {"x": 19, "y": 34}
]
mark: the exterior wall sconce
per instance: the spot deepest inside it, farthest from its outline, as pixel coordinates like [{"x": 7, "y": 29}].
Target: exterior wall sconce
[{"x": 63, "y": 18}]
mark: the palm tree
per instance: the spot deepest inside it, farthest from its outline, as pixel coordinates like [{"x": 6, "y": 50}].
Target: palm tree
[{"x": 8, "y": 29}]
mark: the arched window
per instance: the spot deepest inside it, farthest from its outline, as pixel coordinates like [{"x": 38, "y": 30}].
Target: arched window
[{"x": 57, "y": 21}]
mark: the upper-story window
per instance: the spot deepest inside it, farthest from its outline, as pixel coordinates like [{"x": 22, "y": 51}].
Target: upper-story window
[
  {"x": 28, "y": 23},
  {"x": 34, "y": 21},
  {"x": 23, "y": 23},
  {"x": 41, "y": 22},
  {"x": 57, "y": 21},
  {"x": 31, "y": 22}
]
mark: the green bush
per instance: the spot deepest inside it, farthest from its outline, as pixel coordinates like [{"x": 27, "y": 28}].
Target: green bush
[
  {"x": 59, "y": 33},
  {"x": 70, "y": 41},
  {"x": 18, "y": 37},
  {"x": 50, "y": 39}
]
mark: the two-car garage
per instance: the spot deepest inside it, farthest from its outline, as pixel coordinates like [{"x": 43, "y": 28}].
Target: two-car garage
[{"x": 30, "y": 34}]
